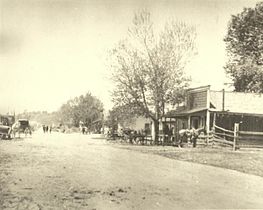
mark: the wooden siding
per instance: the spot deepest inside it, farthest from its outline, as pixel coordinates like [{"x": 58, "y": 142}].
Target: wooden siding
[
  {"x": 248, "y": 123},
  {"x": 196, "y": 100}
]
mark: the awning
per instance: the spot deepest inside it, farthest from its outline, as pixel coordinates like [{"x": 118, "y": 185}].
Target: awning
[{"x": 184, "y": 113}]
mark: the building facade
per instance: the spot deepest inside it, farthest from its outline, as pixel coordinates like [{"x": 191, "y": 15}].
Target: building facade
[{"x": 203, "y": 107}]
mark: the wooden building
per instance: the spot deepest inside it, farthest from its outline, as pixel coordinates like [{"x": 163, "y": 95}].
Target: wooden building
[{"x": 204, "y": 106}]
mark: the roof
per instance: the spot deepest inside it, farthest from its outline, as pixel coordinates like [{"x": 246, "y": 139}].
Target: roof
[
  {"x": 234, "y": 102},
  {"x": 176, "y": 111},
  {"x": 182, "y": 111},
  {"x": 237, "y": 102},
  {"x": 196, "y": 89},
  {"x": 20, "y": 120}
]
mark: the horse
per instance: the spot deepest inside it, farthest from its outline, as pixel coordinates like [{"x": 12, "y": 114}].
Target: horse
[
  {"x": 16, "y": 129},
  {"x": 189, "y": 136},
  {"x": 19, "y": 128}
]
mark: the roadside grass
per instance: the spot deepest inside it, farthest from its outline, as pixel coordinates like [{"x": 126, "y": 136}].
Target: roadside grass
[{"x": 248, "y": 161}]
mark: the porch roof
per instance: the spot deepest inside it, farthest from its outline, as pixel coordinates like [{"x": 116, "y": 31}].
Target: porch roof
[
  {"x": 182, "y": 113},
  {"x": 236, "y": 113}
]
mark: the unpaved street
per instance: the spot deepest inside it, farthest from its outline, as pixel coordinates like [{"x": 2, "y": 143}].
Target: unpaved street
[{"x": 72, "y": 171}]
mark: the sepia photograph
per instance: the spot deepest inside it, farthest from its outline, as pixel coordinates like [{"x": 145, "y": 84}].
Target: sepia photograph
[{"x": 131, "y": 104}]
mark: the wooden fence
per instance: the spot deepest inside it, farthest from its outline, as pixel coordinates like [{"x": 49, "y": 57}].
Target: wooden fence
[
  {"x": 205, "y": 140},
  {"x": 237, "y": 139},
  {"x": 249, "y": 139},
  {"x": 218, "y": 136},
  {"x": 225, "y": 137}
]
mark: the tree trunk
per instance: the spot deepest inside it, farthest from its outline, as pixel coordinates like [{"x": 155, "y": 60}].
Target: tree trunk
[{"x": 156, "y": 131}]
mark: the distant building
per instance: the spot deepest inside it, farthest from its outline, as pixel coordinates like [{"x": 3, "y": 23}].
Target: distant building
[{"x": 138, "y": 124}]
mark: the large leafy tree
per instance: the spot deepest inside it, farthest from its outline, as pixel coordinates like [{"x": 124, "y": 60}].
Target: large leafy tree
[
  {"x": 148, "y": 66},
  {"x": 244, "y": 44},
  {"x": 85, "y": 108}
]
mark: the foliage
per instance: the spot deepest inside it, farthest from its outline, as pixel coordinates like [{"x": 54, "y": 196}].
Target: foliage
[
  {"x": 119, "y": 115},
  {"x": 85, "y": 108},
  {"x": 42, "y": 117},
  {"x": 244, "y": 44},
  {"x": 148, "y": 67}
]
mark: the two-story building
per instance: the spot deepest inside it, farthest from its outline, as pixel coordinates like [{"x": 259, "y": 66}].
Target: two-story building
[{"x": 203, "y": 107}]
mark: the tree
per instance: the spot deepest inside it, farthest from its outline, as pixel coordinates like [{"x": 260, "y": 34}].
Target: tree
[
  {"x": 42, "y": 117},
  {"x": 85, "y": 108},
  {"x": 244, "y": 44},
  {"x": 119, "y": 115},
  {"x": 148, "y": 66}
]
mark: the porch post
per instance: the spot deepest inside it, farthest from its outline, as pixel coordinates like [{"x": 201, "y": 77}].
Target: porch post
[
  {"x": 152, "y": 131},
  {"x": 236, "y": 129},
  {"x": 207, "y": 111},
  {"x": 207, "y": 122},
  {"x": 189, "y": 122}
]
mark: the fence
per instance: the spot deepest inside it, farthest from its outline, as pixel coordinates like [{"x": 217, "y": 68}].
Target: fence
[
  {"x": 137, "y": 139},
  {"x": 205, "y": 140},
  {"x": 237, "y": 139},
  {"x": 226, "y": 137},
  {"x": 218, "y": 136},
  {"x": 249, "y": 139}
]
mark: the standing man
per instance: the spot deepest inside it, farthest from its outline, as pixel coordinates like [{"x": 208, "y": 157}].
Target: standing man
[
  {"x": 44, "y": 128},
  {"x": 194, "y": 136}
]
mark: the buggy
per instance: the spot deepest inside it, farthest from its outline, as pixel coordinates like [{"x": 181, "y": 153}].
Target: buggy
[
  {"x": 21, "y": 126},
  {"x": 5, "y": 132},
  {"x": 6, "y": 121}
]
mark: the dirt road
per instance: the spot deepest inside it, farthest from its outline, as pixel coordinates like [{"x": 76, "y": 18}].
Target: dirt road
[{"x": 72, "y": 171}]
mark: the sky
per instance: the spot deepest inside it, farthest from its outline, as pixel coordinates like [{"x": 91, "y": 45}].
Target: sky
[{"x": 54, "y": 50}]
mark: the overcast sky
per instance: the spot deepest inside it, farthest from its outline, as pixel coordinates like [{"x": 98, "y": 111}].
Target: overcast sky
[{"x": 54, "y": 50}]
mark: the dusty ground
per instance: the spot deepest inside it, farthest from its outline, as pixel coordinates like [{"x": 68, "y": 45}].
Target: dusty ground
[
  {"x": 72, "y": 171},
  {"x": 248, "y": 161}
]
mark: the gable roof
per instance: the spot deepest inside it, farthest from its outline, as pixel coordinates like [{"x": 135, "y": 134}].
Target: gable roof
[{"x": 238, "y": 102}]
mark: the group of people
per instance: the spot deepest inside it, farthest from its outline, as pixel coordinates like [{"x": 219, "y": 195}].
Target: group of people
[{"x": 47, "y": 128}]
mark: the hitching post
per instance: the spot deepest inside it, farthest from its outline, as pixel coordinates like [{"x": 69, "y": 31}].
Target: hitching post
[
  {"x": 213, "y": 129},
  {"x": 236, "y": 129}
]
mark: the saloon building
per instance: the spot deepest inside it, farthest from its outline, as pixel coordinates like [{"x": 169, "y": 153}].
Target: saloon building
[{"x": 203, "y": 107}]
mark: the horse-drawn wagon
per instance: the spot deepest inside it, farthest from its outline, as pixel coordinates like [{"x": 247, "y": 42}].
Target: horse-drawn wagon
[
  {"x": 6, "y": 121},
  {"x": 21, "y": 126},
  {"x": 5, "y": 132},
  {"x": 9, "y": 128}
]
